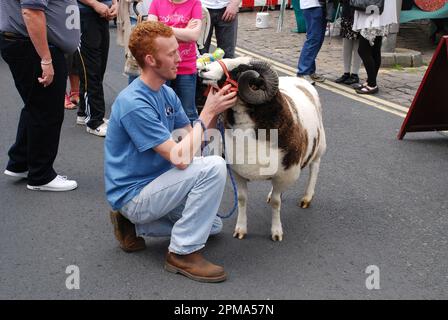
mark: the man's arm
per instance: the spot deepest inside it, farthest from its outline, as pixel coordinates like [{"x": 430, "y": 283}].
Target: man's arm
[
  {"x": 99, "y": 7},
  {"x": 181, "y": 154},
  {"x": 36, "y": 25},
  {"x": 231, "y": 10}
]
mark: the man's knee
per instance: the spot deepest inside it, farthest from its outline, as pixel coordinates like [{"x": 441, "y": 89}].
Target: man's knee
[{"x": 216, "y": 165}]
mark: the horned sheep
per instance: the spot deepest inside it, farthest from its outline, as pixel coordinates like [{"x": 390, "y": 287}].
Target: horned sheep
[{"x": 288, "y": 107}]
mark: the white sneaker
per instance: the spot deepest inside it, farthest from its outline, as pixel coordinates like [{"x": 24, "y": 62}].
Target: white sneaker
[
  {"x": 16, "y": 174},
  {"x": 100, "y": 131},
  {"x": 60, "y": 183},
  {"x": 308, "y": 78},
  {"x": 81, "y": 120}
]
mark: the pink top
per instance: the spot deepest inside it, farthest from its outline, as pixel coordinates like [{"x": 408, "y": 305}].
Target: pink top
[{"x": 177, "y": 15}]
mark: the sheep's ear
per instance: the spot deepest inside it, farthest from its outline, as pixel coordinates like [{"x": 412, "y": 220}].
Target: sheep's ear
[
  {"x": 235, "y": 73},
  {"x": 243, "y": 67}
]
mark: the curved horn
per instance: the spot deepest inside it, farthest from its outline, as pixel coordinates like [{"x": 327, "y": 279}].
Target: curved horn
[{"x": 259, "y": 85}]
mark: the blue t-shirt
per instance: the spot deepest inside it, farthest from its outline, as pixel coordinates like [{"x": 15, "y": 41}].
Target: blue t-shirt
[{"x": 141, "y": 119}]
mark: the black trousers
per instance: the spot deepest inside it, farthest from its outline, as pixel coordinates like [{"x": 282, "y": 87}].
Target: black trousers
[
  {"x": 39, "y": 128},
  {"x": 94, "y": 51},
  {"x": 371, "y": 58},
  {"x": 226, "y": 33}
]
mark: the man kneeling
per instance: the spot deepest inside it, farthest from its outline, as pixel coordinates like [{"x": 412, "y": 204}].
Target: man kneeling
[{"x": 153, "y": 181}]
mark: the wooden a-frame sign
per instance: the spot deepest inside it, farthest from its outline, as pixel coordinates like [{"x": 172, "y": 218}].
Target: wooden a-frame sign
[{"x": 429, "y": 109}]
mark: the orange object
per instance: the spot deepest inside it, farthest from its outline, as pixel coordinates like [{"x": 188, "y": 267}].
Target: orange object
[{"x": 430, "y": 5}]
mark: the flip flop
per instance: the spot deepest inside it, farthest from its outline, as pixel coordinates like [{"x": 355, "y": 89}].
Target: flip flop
[{"x": 367, "y": 90}]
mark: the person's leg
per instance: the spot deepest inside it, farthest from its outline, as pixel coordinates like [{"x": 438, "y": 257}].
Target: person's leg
[
  {"x": 365, "y": 52},
  {"x": 17, "y": 55},
  {"x": 185, "y": 88},
  {"x": 200, "y": 187},
  {"x": 41, "y": 118},
  {"x": 347, "y": 46},
  {"x": 347, "y": 57},
  {"x": 226, "y": 35},
  {"x": 73, "y": 75},
  {"x": 356, "y": 59},
  {"x": 315, "y": 34},
  {"x": 92, "y": 49},
  {"x": 214, "y": 16},
  {"x": 376, "y": 53},
  {"x": 164, "y": 226}
]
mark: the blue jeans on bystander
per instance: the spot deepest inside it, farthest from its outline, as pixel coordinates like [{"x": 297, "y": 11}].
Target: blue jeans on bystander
[
  {"x": 315, "y": 34},
  {"x": 185, "y": 87}
]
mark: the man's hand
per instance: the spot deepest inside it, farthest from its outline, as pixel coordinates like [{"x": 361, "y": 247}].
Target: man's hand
[
  {"x": 113, "y": 11},
  {"x": 101, "y": 9},
  {"x": 47, "y": 75},
  {"x": 231, "y": 11},
  {"x": 219, "y": 100}
]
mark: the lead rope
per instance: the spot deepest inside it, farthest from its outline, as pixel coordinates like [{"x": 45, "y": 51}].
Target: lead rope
[
  {"x": 220, "y": 126},
  {"x": 229, "y": 170}
]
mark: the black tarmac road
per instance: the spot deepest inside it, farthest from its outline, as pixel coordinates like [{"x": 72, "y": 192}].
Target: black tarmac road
[{"x": 379, "y": 201}]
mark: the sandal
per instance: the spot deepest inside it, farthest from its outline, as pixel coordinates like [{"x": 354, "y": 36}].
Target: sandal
[
  {"x": 367, "y": 90},
  {"x": 74, "y": 97},
  {"x": 68, "y": 104}
]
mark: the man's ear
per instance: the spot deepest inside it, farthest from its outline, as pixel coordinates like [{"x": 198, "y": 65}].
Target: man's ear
[{"x": 149, "y": 60}]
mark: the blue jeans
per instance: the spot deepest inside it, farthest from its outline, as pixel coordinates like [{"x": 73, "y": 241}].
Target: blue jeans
[
  {"x": 131, "y": 78},
  {"x": 185, "y": 87},
  {"x": 182, "y": 204},
  {"x": 315, "y": 34}
]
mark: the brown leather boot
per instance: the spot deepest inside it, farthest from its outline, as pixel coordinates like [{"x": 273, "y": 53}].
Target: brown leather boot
[
  {"x": 124, "y": 231},
  {"x": 195, "y": 267}
]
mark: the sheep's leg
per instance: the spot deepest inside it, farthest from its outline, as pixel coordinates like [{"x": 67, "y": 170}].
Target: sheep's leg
[
  {"x": 275, "y": 201},
  {"x": 241, "y": 223},
  {"x": 309, "y": 193}
]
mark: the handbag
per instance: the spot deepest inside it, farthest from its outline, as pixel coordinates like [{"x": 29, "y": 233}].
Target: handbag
[
  {"x": 368, "y": 6},
  {"x": 131, "y": 67}
]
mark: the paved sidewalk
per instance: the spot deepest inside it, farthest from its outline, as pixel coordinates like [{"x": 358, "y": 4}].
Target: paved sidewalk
[{"x": 397, "y": 84}]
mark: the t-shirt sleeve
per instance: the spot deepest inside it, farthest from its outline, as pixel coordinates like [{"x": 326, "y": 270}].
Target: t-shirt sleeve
[
  {"x": 181, "y": 119},
  {"x": 34, "y": 4},
  {"x": 197, "y": 10},
  {"x": 145, "y": 128},
  {"x": 153, "y": 8}
]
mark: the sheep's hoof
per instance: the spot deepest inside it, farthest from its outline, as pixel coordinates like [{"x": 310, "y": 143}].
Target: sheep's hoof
[
  {"x": 277, "y": 237},
  {"x": 305, "y": 203},
  {"x": 268, "y": 199},
  {"x": 239, "y": 234}
]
